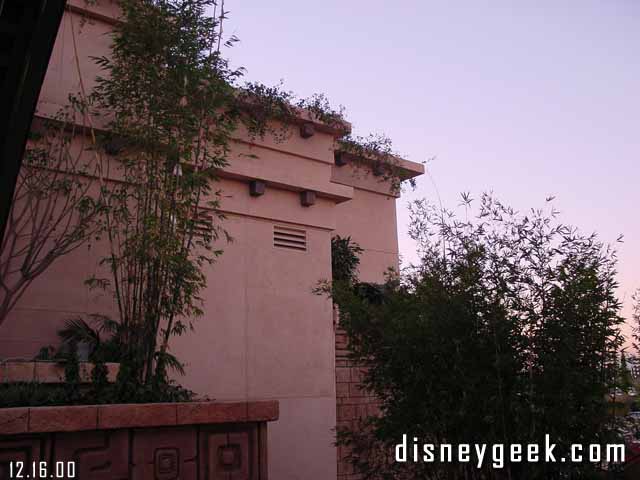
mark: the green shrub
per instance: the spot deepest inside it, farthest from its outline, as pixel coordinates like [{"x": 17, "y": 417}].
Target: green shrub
[
  {"x": 508, "y": 329},
  {"x": 33, "y": 394}
]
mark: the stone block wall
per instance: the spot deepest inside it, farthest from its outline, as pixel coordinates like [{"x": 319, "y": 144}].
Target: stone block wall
[{"x": 352, "y": 401}]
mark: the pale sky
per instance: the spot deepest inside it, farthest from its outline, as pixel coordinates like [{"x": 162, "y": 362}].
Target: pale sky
[{"x": 528, "y": 99}]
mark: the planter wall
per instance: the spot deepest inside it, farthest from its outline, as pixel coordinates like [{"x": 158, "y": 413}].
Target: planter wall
[{"x": 170, "y": 441}]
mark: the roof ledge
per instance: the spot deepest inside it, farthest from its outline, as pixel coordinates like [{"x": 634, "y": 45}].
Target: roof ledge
[{"x": 406, "y": 168}]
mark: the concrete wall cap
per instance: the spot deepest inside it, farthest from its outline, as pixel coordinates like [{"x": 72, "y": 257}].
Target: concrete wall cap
[{"x": 71, "y": 418}]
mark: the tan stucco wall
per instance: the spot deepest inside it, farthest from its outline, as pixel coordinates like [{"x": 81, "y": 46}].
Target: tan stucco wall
[{"x": 369, "y": 218}]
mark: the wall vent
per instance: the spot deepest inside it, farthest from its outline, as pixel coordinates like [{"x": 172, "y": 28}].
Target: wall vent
[
  {"x": 203, "y": 223},
  {"x": 287, "y": 237}
]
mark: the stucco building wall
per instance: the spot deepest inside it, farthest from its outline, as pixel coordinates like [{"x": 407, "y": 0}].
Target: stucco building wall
[{"x": 264, "y": 334}]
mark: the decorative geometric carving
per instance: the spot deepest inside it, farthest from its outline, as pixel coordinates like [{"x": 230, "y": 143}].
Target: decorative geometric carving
[
  {"x": 164, "y": 454},
  {"x": 26, "y": 449},
  {"x": 230, "y": 456},
  {"x": 230, "y": 453},
  {"x": 166, "y": 464},
  {"x": 225, "y": 451},
  {"x": 98, "y": 454},
  {"x": 241, "y": 442}
]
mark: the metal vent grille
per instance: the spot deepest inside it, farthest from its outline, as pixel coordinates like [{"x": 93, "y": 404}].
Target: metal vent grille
[
  {"x": 203, "y": 223},
  {"x": 291, "y": 238}
]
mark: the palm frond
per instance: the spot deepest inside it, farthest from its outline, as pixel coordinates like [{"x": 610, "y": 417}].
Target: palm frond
[
  {"x": 78, "y": 330},
  {"x": 171, "y": 361},
  {"x": 106, "y": 324}
]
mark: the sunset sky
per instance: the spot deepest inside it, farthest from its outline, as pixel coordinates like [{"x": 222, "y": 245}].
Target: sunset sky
[{"x": 538, "y": 99}]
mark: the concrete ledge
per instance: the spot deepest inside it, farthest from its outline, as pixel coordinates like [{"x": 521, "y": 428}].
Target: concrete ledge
[
  {"x": 14, "y": 420},
  {"x": 62, "y": 419},
  {"x": 74, "y": 418}
]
